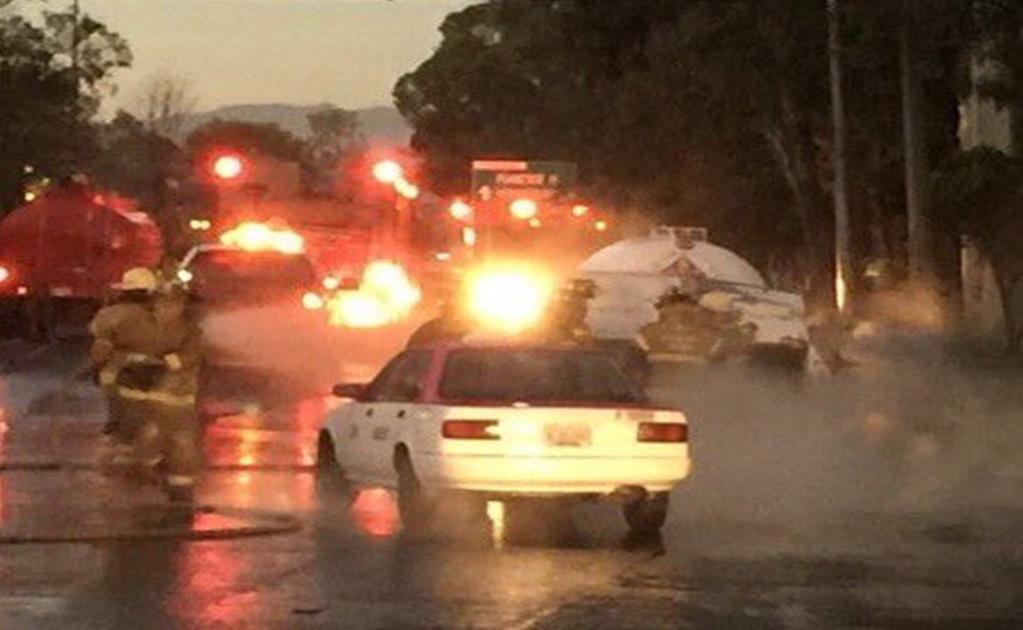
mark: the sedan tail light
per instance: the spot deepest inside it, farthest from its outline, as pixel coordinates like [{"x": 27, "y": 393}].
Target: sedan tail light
[
  {"x": 469, "y": 430},
  {"x": 662, "y": 432}
]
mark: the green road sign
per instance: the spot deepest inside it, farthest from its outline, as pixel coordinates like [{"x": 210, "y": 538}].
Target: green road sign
[{"x": 520, "y": 179}]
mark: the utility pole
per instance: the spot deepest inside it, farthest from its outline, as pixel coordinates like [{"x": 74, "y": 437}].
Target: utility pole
[
  {"x": 843, "y": 258},
  {"x": 919, "y": 232},
  {"x": 75, "y": 17}
]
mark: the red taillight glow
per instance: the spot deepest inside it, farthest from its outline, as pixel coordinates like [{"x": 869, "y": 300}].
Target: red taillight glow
[
  {"x": 228, "y": 167},
  {"x": 662, "y": 432},
  {"x": 469, "y": 430},
  {"x": 5, "y": 273}
]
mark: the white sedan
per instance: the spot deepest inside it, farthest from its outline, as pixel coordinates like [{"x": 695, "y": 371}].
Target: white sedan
[{"x": 507, "y": 421}]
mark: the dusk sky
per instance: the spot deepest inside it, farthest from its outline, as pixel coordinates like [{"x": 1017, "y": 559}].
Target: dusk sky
[{"x": 347, "y": 52}]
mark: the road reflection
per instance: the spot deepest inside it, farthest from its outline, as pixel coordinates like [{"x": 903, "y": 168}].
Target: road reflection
[
  {"x": 375, "y": 513},
  {"x": 283, "y": 436},
  {"x": 205, "y": 573}
]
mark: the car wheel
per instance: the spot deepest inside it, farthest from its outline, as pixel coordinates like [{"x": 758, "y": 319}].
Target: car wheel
[
  {"x": 326, "y": 459},
  {"x": 330, "y": 476},
  {"x": 647, "y": 515},
  {"x": 413, "y": 507}
]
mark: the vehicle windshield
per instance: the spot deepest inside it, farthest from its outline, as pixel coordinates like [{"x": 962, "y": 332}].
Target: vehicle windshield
[
  {"x": 535, "y": 376},
  {"x": 229, "y": 272}
]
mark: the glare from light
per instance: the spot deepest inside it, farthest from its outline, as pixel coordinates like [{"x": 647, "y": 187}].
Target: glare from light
[
  {"x": 535, "y": 223},
  {"x": 600, "y": 225},
  {"x": 387, "y": 172},
  {"x": 253, "y": 236},
  {"x": 509, "y": 299},
  {"x": 841, "y": 290},
  {"x": 312, "y": 301},
  {"x": 469, "y": 236},
  {"x": 22, "y": 290},
  {"x": 496, "y": 514},
  {"x": 185, "y": 276},
  {"x": 386, "y": 295},
  {"x": 30, "y": 196},
  {"x": 459, "y": 210},
  {"x": 443, "y": 256},
  {"x": 524, "y": 209},
  {"x": 228, "y": 167},
  {"x": 580, "y": 210},
  {"x": 199, "y": 225},
  {"x": 5, "y": 273},
  {"x": 406, "y": 189},
  {"x": 331, "y": 283},
  {"x": 357, "y": 309}
]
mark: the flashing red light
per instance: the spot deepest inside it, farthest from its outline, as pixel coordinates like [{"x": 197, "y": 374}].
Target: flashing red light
[
  {"x": 228, "y": 167},
  {"x": 469, "y": 237},
  {"x": 406, "y": 189},
  {"x": 469, "y": 430},
  {"x": 524, "y": 209},
  {"x": 459, "y": 210},
  {"x": 662, "y": 432},
  {"x": 388, "y": 172}
]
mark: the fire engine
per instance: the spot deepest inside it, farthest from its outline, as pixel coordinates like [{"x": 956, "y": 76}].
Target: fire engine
[{"x": 62, "y": 252}]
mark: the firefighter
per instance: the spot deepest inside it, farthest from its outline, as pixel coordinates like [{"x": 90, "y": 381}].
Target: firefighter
[
  {"x": 691, "y": 330},
  {"x": 567, "y": 317},
  {"x": 168, "y": 433},
  {"x": 122, "y": 336}
]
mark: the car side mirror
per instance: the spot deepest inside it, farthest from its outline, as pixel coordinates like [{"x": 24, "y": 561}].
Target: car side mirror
[{"x": 349, "y": 390}]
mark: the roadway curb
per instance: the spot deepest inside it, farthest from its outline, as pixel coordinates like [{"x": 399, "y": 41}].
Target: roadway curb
[
  {"x": 54, "y": 465},
  {"x": 260, "y": 524}
]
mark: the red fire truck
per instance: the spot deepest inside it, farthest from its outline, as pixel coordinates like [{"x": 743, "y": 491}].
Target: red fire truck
[{"x": 61, "y": 253}]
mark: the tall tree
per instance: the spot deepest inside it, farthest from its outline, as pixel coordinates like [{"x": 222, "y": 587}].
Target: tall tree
[
  {"x": 166, "y": 100},
  {"x": 698, "y": 111},
  {"x": 265, "y": 138},
  {"x": 335, "y": 139},
  {"x": 45, "y": 102}
]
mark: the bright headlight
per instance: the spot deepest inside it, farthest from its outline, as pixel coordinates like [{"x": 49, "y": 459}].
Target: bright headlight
[{"x": 508, "y": 298}]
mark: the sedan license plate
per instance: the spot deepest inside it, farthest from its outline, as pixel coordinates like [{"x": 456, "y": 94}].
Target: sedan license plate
[{"x": 567, "y": 434}]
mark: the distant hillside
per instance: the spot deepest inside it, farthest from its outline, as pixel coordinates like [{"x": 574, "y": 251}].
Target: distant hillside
[{"x": 379, "y": 124}]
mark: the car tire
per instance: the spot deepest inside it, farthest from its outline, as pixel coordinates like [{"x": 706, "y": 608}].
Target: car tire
[
  {"x": 330, "y": 476},
  {"x": 646, "y": 516},
  {"x": 326, "y": 459},
  {"x": 413, "y": 507}
]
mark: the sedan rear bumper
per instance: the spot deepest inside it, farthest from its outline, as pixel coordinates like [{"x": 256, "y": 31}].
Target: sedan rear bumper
[{"x": 549, "y": 475}]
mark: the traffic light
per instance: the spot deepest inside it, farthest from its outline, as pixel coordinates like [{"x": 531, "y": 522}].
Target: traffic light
[{"x": 228, "y": 166}]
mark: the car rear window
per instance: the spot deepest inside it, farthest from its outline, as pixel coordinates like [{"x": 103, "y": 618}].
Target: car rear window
[
  {"x": 237, "y": 271},
  {"x": 535, "y": 376}
]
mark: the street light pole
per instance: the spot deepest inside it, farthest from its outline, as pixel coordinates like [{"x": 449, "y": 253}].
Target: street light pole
[
  {"x": 843, "y": 258},
  {"x": 919, "y": 237}
]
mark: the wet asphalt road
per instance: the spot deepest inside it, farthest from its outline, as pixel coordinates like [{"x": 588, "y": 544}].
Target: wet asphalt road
[{"x": 782, "y": 525}]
